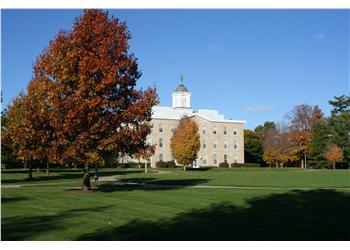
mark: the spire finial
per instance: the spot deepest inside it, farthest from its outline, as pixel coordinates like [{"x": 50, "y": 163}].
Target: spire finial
[{"x": 181, "y": 78}]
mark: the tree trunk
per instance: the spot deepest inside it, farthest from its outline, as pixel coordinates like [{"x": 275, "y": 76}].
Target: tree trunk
[
  {"x": 96, "y": 172},
  {"x": 334, "y": 165},
  {"x": 184, "y": 167},
  {"x": 146, "y": 167},
  {"x": 302, "y": 162},
  {"x": 37, "y": 170},
  {"x": 86, "y": 179},
  {"x": 25, "y": 164},
  {"x": 30, "y": 173},
  {"x": 47, "y": 168}
]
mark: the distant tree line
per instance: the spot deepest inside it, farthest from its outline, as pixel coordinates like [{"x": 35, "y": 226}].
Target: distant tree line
[{"x": 304, "y": 137}]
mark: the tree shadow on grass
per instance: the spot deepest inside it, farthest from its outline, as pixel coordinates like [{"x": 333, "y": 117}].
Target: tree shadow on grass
[
  {"x": 12, "y": 199},
  {"x": 200, "y": 169},
  {"x": 27, "y": 228},
  {"x": 148, "y": 184},
  {"x": 296, "y": 215}
]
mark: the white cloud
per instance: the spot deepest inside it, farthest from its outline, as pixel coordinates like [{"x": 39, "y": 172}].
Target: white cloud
[
  {"x": 320, "y": 36},
  {"x": 257, "y": 108}
]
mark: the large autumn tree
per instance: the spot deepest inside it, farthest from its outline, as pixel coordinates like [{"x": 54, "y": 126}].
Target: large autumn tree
[
  {"x": 278, "y": 146},
  {"x": 19, "y": 133},
  {"x": 185, "y": 142},
  {"x": 91, "y": 100},
  {"x": 302, "y": 120}
]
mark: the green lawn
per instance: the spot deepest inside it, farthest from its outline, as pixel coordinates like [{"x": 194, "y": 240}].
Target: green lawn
[{"x": 274, "y": 207}]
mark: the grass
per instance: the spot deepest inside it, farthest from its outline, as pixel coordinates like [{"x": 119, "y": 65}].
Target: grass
[{"x": 53, "y": 209}]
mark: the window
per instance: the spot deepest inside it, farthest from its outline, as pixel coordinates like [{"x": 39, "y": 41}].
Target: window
[
  {"x": 204, "y": 145},
  {"x": 235, "y": 145},
  {"x": 235, "y": 158},
  {"x": 214, "y": 130},
  {"x": 225, "y": 131},
  {"x": 215, "y": 145},
  {"x": 204, "y": 131},
  {"x": 160, "y": 142},
  {"x": 225, "y": 158},
  {"x": 161, "y": 157},
  {"x": 215, "y": 159},
  {"x": 225, "y": 145},
  {"x": 161, "y": 128},
  {"x": 235, "y": 132},
  {"x": 172, "y": 128},
  {"x": 204, "y": 160}
]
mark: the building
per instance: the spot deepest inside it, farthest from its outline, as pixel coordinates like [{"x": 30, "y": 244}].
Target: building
[{"x": 221, "y": 139}]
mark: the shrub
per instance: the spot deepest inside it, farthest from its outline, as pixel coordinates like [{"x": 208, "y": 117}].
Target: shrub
[
  {"x": 129, "y": 165},
  {"x": 235, "y": 165},
  {"x": 161, "y": 164},
  {"x": 223, "y": 165},
  {"x": 170, "y": 164}
]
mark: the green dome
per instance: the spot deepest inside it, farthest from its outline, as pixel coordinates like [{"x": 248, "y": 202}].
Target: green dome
[{"x": 181, "y": 88}]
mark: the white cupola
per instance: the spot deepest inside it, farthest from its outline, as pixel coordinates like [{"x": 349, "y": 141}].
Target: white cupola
[{"x": 181, "y": 96}]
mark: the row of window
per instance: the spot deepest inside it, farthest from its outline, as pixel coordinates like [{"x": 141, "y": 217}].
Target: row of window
[
  {"x": 204, "y": 160},
  {"x": 204, "y": 130},
  {"x": 215, "y": 144},
  {"x": 204, "y": 144}
]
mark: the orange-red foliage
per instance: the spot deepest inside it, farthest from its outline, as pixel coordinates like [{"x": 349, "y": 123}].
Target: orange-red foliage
[
  {"x": 334, "y": 154},
  {"x": 82, "y": 103}
]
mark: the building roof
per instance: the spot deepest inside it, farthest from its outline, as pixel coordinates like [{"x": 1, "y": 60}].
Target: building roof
[
  {"x": 181, "y": 88},
  {"x": 162, "y": 112}
]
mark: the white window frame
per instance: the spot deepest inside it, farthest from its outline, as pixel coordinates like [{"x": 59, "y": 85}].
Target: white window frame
[
  {"x": 204, "y": 143},
  {"x": 215, "y": 159},
  {"x": 225, "y": 158},
  {"x": 225, "y": 145},
  {"x": 161, "y": 143}
]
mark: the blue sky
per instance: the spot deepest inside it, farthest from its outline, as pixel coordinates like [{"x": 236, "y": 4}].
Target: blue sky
[{"x": 252, "y": 65}]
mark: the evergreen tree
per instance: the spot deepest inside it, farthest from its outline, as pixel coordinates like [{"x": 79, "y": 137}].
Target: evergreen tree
[
  {"x": 253, "y": 150},
  {"x": 319, "y": 145},
  {"x": 339, "y": 123}
]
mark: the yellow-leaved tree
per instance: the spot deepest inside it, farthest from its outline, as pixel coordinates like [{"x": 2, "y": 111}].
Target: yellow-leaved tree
[
  {"x": 185, "y": 142},
  {"x": 334, "y": 154}
]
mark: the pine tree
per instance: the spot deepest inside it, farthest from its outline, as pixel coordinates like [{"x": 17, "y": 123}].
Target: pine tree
[
  {"x": 319, "y": 144},
  {"x": 339, "y": 124}
]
